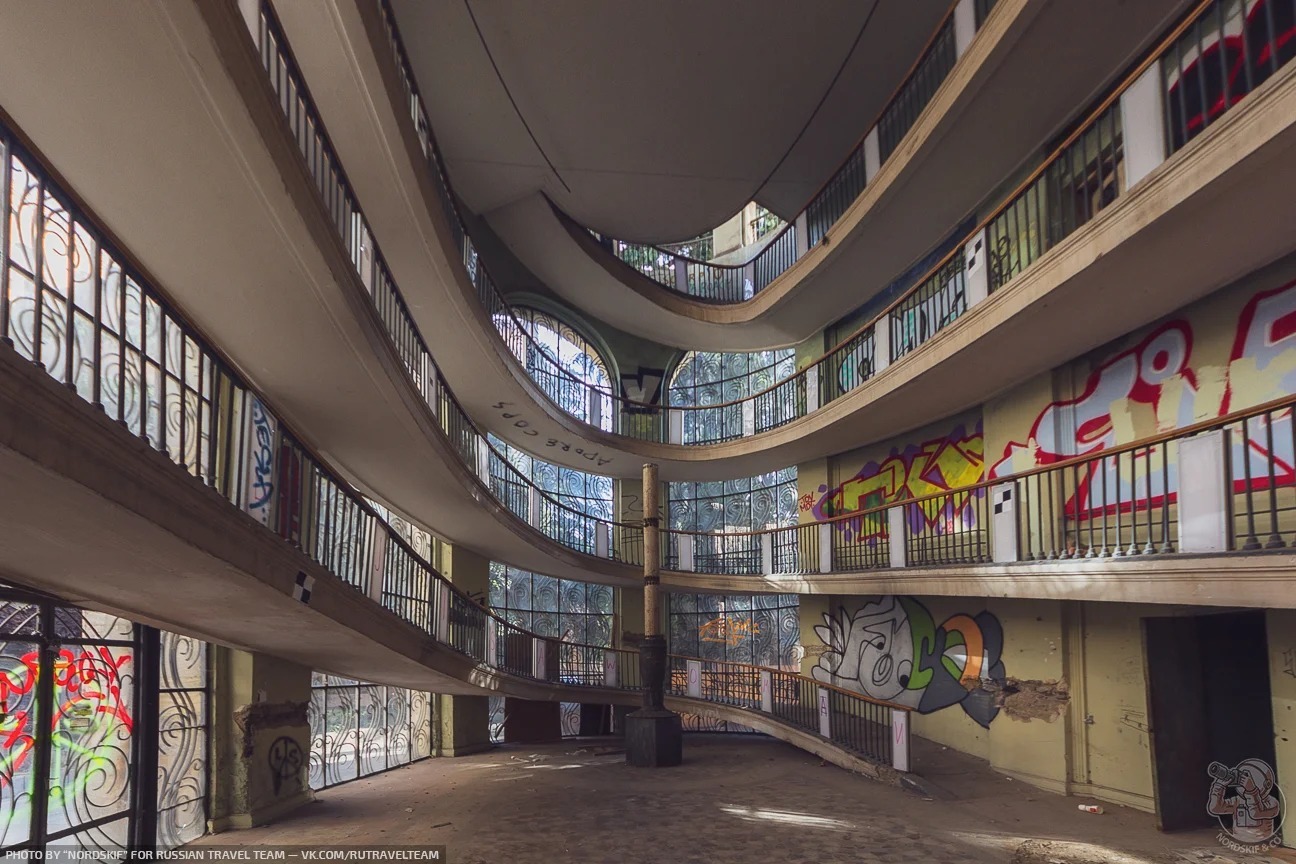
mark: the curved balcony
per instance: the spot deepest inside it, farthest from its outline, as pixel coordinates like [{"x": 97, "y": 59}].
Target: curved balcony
[
  {"x": 116, "y": 497},
  {"x": 856, "y": 392},
  {"x": 95, "y": 331},
  {"x": 895, "y": 195}
]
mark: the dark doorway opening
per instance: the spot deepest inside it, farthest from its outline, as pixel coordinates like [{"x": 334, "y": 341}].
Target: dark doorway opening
[{"x": 1208, "y": 701}]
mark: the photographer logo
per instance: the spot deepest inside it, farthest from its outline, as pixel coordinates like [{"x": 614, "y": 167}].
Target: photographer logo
[{"x": 1248, "y": 803}]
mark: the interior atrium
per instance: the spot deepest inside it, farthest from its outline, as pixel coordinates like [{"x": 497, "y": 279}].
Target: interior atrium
[{"x": 743, "y": 426}]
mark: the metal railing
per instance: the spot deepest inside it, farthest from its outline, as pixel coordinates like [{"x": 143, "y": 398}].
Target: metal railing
[
  {"x": 1082, "y": 176},
  {"x": 71, "y": 302},
  {"x": 1083, "y": 164},
  {"x": 691, "y": 273},
  {"x": 515, "y": 490},
  {"x": 874, "y": 729},
  {"x": 1119, "y": 502}
]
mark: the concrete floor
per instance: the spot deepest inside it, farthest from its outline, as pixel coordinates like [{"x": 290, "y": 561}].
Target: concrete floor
[{"x": 736, "y": 799}]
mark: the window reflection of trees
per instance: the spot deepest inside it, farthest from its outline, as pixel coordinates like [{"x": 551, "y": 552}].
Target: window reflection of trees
[
  {"x": 711, "y": 378},
  {"x": 724, "y": 510},
  {"x": 585, "y": 498}
]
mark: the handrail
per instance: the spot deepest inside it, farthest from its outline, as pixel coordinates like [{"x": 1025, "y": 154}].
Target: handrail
[
  {"x": 627, "y": 530},
  {"x": 338, "y": 200},
  {"x": 216, "y": 428},
  {"x": 854, "y": 153},
  {"x": 834, "y": 371},
  {"x": 1112, "y": 499}
]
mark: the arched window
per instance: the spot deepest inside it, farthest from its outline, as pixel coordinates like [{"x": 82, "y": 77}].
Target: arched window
[
  {"x": 566, "y": 365},
  {"x": 712, "y": 378},
  {"x": 586, "y": 498}
]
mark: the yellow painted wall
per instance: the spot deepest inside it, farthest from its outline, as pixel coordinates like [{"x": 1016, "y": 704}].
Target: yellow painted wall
[
  {"x": 1212, "y": 357},
  {"x": 1030, "y": 740},
  {"x": 1062, "y": 660},
  {"x": 1281, "y": 627}
]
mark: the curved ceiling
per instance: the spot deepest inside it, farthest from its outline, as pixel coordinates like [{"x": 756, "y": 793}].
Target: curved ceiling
[{"x": 655, "y": 121}]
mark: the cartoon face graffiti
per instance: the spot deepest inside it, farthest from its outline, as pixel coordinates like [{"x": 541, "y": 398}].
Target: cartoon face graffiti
[
  {"x": 874, "y": 647},
  {"x": 891, "y": 649}
]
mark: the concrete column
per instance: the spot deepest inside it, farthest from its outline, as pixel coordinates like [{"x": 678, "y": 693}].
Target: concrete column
[
  {"x": 464, "y": 720},
  {"x": 813, "y": 608},
  {"x": 976, "y": 273},
  {"x": 260, "y": 739},
  {"x": 872, "y": 155},
  {"x": 1204, "y": 494},
  {"x": 881, "y": 343},
  {"x": 1281, "y": 627},
  {"x": 654, "y": 738},
  {"x": 527, "y": 721}
]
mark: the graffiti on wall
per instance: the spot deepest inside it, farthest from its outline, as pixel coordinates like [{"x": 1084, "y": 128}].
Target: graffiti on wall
[
  {"x": 87, "y": 697},
  {"x": 938, "y": 465},
  {"x": 1156, "y": 387},
  {"x": 892, "y": 649},
  {"x": 285, "y": 762},
  {"x": 261, "y": 445}
]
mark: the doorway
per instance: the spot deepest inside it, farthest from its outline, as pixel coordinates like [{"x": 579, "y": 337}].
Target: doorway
[{"x": 1208, "y": 701}]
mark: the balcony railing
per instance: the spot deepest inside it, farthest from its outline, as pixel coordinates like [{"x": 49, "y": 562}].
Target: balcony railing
[
  {"x": 513, "y": 489},
  {"x": 1231, "y": 476},
  {"x": 691, "y": 273},
  {"x": 934, "y": 303},
  {"x": 72, "y": 303},
  {"x": 1082, "y": 176}
]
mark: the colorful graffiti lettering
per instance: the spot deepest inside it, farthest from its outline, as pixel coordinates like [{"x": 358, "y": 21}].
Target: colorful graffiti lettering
[
  {"x": 87, "y": 686},
  {"x": 892, "y": 649},
  {"x": 939, "y": 465},
  {"x": 806, "y": 502},
  {"x": 1154, "y": 383},
  {"x": 728, "y": 632}
]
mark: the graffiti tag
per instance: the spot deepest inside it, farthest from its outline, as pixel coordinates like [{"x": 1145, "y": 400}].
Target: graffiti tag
[
  {"x": 87, "y": 685},
  {"x": 727, "y": 632},
  {"x": 285, "y": 761},
  {"x": 525, "y": 427},
  {"x": 892, "y": 649},
  {"x": 943, "y": 464}
]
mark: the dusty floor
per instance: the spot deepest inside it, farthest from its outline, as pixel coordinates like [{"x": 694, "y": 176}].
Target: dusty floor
[{"x": 737, "y": 799}]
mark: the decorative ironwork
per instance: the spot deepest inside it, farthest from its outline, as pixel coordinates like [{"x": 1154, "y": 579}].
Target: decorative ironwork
[
  {"x": 73, "y": 779},
  {"x": 359, "y": 729},
  {"x": 724, "y": 380},
  {"x": 565, "y": 364},
  {"x": 762, "y": 629},
  {"x": 183, "y": 736}
]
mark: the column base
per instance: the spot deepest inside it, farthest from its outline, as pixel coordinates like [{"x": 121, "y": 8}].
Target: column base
[{"x": 654, "y": 739}]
